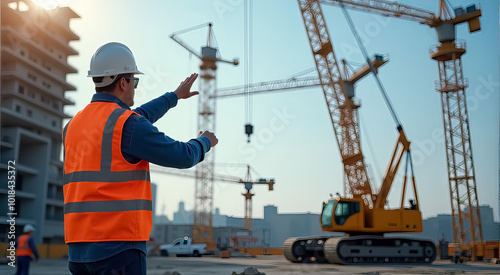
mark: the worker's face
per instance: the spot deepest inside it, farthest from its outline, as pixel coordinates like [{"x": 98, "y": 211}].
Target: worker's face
[{"x": 129, "y": 92}]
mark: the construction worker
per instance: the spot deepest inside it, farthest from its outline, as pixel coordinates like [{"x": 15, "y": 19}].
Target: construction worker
[
  {"x": 108, "y": 148},
  {"x": 413, "y": 206},
  {"x": 26, "y": 249}
]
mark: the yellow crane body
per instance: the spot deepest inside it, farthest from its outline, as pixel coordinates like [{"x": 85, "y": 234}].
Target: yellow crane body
[{"x": 353, "y": 217}]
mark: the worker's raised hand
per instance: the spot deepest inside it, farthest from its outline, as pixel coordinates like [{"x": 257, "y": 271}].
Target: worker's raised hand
[
  {"x": 184, "y": 89},
  {"x": 211, "y": 136}
]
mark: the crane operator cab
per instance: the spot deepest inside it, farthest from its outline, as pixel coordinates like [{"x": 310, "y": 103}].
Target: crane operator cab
[
  {"x": 350, "y": 215},
  {"x": 341, "y": 214}
]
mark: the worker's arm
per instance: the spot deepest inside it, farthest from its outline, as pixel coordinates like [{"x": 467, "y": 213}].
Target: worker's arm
[
  {"x": 143, "y": 141},
  {"x": 156, "y": 108},
  {"x": 33, "y": 247}
]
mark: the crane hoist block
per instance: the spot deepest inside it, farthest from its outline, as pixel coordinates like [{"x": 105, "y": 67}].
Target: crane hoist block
[
  {"x": 446, "y": 32},
  {"x": 208, "y": 52}
]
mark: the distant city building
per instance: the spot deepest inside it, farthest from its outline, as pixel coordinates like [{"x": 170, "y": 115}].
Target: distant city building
[
  {"x": 490, "y": 227},
  {"x": 219, "y": 220},
  {"x": 34, "y": 53},
  {"x": 161, "y": 219},
  {"x": 166, "y": 233},
  {"x": 284, "y": 226},
  {"x": 440, "y": 227},
  {"x": 183, "y": 216}
]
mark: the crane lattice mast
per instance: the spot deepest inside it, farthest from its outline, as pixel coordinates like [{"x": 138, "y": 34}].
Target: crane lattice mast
[{"x": 203, "y": 208}]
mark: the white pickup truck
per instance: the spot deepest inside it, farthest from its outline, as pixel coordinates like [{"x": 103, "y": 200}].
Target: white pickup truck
[{"x": 183, "y": 247}]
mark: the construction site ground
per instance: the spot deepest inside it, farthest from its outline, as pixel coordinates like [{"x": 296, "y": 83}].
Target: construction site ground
[{"x": 268, "y": 264}]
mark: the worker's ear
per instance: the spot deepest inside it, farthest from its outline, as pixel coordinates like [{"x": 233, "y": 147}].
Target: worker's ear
[{"x": 122, "y": 84}]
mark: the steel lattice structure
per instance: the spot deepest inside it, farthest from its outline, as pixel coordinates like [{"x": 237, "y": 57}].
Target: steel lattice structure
[
  {"x": 204, "y": 185},
  {"x": 203, "y": 207},
  {"x": 342, "y": 109},
  {"x": 462, "y": 182}
]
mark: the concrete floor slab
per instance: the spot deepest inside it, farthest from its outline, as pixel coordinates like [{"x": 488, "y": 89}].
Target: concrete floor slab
[{"x": 270, "y": 265}]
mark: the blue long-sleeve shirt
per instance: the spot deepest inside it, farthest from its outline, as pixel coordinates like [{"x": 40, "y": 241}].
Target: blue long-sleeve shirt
[{"x": 141, "y": 140}]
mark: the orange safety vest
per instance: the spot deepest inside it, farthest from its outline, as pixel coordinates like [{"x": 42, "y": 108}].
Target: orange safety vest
[
  {"x": 106, "y": 198},
  {"x": 23, "y": 246}
]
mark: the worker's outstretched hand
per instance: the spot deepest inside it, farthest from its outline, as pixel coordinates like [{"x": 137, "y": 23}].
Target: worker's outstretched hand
[
  {"x": 211, "y": 136},
  {"x": 184, "y": 89}
]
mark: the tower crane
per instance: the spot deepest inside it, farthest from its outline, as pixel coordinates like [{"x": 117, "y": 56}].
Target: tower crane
[
  {"x": 248, "y": 184},
  {"x": 466, "y": 218},
  {"x": 248, "y": 221},
  {"x": 203, "y": 208}
]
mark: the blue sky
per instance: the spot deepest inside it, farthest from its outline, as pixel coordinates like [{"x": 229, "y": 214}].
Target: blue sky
[{"x": 293, "y": 139}]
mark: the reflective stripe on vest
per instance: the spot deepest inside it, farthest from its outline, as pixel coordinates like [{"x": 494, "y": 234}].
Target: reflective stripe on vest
[
  {"x": 107, "y": 206},
  {"x": 23, "y": 246},
  {"x": 105, "y": 197}
]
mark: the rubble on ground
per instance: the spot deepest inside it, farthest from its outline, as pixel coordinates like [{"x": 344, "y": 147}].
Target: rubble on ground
[{"x": 249, "y": 271}]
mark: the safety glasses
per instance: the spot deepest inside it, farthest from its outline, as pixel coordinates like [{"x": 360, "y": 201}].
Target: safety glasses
[{"x": 135, "y": 79}]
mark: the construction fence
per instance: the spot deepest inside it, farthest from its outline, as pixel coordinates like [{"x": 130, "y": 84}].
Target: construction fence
[
  {"x": 61, "y": 250},
  {"x": 44, "y": 250}
]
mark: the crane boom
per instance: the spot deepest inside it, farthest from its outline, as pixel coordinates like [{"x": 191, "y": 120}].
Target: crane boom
[
  {"x": 388, "y": 8},
  {"x": 175, "y": 37},
  {"x": 342, "y": 109},
  {"x": 295, "y": 82},
  {"x": 395, "y": 9},
  {"x": 269, "y": 86},
  {"x": 185, "y": 46},
  {"x": 222, "y": 178}
]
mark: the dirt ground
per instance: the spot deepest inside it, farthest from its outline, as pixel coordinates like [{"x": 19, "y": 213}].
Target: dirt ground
[{"x": 269, "y": 265}]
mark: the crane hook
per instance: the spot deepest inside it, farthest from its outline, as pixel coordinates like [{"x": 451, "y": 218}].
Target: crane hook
[{"x": 248, "y": 131}]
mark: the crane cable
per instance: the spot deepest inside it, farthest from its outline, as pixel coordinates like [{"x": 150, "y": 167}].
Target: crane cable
[
  {"x": 248, "y": 33},
  {"x": 190, "y": 29},
  {"x": 368, "y": 61},
  {"x": 379, "y": 83}
]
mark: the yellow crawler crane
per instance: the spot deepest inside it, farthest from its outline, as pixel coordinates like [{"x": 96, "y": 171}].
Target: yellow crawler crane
[
  {"x": 465, "y": 210},
  {"x": 362, "y": 213}
]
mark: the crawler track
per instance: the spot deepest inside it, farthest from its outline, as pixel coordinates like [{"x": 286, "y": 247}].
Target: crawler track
[{"x": 359, "y": 249}]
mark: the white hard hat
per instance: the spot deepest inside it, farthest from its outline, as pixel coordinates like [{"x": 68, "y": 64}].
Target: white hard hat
[
  {"x": 111, "y": 60},
  {"x": 28, "y": 228}
]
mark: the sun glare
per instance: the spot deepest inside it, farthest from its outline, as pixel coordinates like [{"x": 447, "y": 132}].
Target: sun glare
[
  {"x": 20, "y": 6},
  {"x": 50, "y": 4}
]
